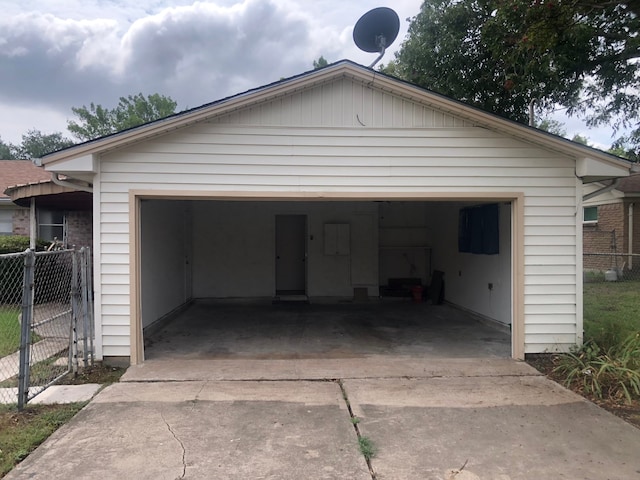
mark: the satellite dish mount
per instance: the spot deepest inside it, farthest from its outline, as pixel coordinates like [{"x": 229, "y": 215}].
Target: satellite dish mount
[{"x": 376, "y": 30}]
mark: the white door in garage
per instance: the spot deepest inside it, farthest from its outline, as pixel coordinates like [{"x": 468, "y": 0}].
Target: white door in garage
[{"x": 291, "y": 252}]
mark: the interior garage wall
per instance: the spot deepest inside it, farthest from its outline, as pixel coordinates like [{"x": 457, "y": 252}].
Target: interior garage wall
[
  {"x": 406, "y": 239},
  {"x": 467, "y": 276},
  {"x": 234, "y": 247},
  {"x": 165, "y": 238}
]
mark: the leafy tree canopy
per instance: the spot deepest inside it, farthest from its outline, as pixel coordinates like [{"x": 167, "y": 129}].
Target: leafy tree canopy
[
  {"x": 36, "y": 144},
  {"x": 501, "y": 54},
  {"x": 7, "y": 151},
  {"x": 552, "y": 126},
  {"x": 97, "y": 121},
  {"x": 319, "y": 63}
]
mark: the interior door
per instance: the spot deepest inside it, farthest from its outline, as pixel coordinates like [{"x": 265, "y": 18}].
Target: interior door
[{"x": 291, "y": 254}]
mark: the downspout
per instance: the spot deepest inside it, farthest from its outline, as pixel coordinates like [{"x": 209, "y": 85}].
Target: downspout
[
  {"x": 602, "y": 190},
  {"x": 55, "y": 178},
  {"x": 630, "y": 240}
]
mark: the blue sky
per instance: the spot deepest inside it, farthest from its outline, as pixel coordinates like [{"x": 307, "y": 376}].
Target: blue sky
[{"x": 55, "y": 55}]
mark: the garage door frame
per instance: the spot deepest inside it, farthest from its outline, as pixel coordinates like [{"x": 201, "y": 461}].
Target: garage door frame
[{"x": 517, "y": 244}]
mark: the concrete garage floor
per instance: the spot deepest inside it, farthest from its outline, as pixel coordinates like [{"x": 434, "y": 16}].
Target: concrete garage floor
[{"x": 227, "y": 340}]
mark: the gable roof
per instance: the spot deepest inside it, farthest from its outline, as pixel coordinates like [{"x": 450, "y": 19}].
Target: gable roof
[
  {"x": 345, "y": 68},
  {"x": 19, "y": 172}
]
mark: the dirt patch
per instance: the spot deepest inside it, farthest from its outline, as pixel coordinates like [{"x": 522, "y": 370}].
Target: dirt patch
[
  {"x": 546, "y": 363},
  {"x": 98, "y": 373}
]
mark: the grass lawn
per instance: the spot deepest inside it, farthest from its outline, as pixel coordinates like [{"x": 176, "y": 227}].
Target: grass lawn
[
  {"x": 9, "y": 330},
  {"x": 611, "y": 311},
  {"x": 22, "y": 432}
]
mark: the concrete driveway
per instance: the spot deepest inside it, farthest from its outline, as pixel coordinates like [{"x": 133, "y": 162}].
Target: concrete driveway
[
  {"x": 290, "y": 398},
  {"x": 500, "y": 420}
]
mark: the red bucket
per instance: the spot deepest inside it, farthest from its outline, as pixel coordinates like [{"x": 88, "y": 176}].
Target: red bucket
[{"x": 416, "y": 293}]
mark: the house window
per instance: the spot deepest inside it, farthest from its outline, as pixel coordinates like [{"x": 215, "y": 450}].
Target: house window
[
  {"x": 6, "y": 222},
  {"x": 590, "y": 214},
  {"x": 51, "y": 225}
]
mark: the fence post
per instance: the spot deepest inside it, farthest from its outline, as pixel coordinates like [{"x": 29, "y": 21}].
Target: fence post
[
  {"x": 75, "y": 293},
  {"x": 25, "y": 328},
  {"x": 85, "y": 305},
  {"x": 89, "y": 288}
]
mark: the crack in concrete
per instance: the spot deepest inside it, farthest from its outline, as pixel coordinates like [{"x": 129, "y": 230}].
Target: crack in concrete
[
  {"x": 354, "y": 422},
  {"x": 197, "y": 397},
  {"x": 184, "y": 450}
]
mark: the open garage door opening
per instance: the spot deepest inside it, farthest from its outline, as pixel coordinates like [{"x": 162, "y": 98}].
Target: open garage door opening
[{"x": 375, "y": 258}]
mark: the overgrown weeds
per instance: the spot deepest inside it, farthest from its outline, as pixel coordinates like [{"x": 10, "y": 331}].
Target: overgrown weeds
[
  {"x": 367, "y": 448},
  {"x": 611, "y": 312},
  {"x": 605, "y": 373}
]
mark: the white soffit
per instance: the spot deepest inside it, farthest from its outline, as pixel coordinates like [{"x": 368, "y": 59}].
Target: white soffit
[
  {"x": 82, "y": 164},
  {"x": 590, "y": 169}
]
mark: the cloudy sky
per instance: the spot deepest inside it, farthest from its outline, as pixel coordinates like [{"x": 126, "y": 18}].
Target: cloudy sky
[{"x": 57, "y": 54}]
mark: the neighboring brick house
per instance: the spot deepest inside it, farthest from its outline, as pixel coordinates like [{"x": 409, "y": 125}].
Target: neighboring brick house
[
  {"x": 60, "y": 212},
  {"x": 14, "y": 220},
  {"x": 612, "y": 225}
]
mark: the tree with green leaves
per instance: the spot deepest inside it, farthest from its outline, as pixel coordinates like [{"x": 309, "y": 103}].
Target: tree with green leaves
[
  {"x": 319, "y": 63},
  {"x": 7, "y": 151},
  {"x": 552, "y": 126},
  {"x": 36, "y": 144},
  {"x": 97, "y": 121},
  {"x": 500, "y": 55}
]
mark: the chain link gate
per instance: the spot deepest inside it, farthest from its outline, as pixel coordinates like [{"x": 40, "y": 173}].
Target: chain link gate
[{"x": 46, "y": 311}]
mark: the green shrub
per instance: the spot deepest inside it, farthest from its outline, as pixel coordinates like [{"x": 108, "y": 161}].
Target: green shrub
[
  {"x": 18, "y": 243},
  {"x": 611, "y": 373},
  {"x": 13, "y": 243}
]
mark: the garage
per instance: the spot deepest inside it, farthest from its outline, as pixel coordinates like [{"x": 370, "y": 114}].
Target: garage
[
  {"x": 340, "y": 184},
  {"x": 379, "y": 255}
]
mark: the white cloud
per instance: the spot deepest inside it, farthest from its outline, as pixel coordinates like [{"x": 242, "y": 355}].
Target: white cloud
[{"x": 55, "y": 55}]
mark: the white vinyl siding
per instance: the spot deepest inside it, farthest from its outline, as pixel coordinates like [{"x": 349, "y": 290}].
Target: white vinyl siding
[{"x": 314, "y": 141}]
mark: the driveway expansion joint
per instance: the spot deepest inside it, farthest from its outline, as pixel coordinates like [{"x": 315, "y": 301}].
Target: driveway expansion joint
[{"x": 354, "y": 422}]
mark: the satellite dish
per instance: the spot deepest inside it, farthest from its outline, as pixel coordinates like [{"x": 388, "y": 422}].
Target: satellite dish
[{"x": 376, "y": 30}]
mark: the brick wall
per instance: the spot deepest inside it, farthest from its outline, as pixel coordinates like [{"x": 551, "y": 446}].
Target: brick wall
[
  {"x": 599, "y": 237},
  {"x": 605, "y": 236},
  {"x": 21, "y": 222},
  {"x": 79, "y": 229}
]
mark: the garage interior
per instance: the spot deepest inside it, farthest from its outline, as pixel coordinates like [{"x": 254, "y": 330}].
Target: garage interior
[{"x": 325, "y": 279}]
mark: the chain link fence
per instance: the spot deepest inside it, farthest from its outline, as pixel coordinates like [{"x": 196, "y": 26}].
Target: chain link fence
[
  {"x": 611, "y": 267},
  {"x": 46, "y": 324}
]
